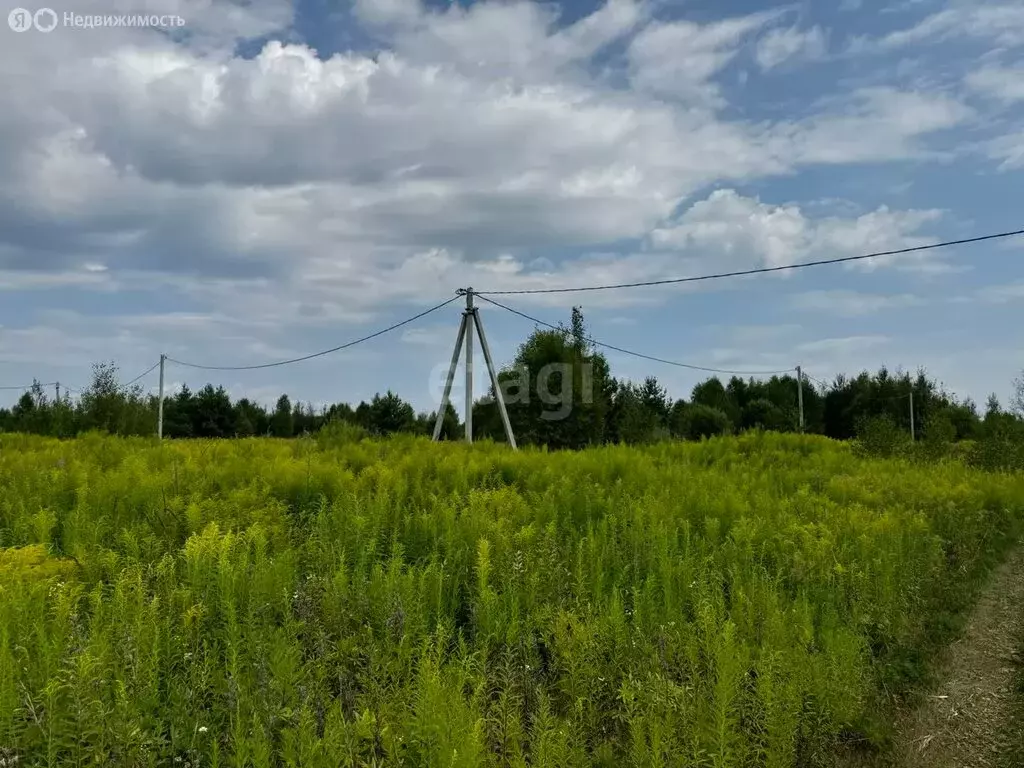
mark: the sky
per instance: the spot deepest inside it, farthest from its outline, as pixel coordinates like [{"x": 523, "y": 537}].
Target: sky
[{"x": 275, "y": 178}]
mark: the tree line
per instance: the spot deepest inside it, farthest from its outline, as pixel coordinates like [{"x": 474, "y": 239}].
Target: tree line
[{"x": 580, "y": 404}]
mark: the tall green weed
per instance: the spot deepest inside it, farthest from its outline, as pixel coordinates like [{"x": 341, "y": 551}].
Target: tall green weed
[{"x": 738, "y": 602}]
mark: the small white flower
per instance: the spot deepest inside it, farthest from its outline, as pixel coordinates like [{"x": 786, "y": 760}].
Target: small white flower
[{"x": 203, "y": 729}]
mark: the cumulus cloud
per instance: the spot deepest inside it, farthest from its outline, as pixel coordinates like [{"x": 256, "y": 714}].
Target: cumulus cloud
[
  {"x": 744, "y": 231},
  {"x": 291, "y": 189}
]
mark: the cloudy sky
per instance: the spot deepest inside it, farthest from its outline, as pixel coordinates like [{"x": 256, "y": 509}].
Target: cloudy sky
[{"x": 276, "y": 178}]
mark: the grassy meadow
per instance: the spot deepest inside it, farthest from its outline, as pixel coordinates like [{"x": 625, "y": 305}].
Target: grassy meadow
[{"x": 742, "y": 601}]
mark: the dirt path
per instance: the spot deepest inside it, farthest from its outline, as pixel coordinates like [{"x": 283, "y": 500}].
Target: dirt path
[{"x": 969, "y": 720}]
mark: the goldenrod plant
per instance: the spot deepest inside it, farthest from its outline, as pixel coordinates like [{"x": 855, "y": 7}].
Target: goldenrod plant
[{"x": 741, "y": 601}]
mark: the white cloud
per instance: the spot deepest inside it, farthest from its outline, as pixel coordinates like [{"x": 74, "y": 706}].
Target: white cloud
[
  {"x": 780, "y": 45},
  {"x": 743, "y": 231},
  {"x": 997, "y": 23},
  {"x": 853, "y": 303},
  {"x": 843, "y": 345},
  {"x": 876, "y": 123},
  {"x": 1008, "y": 150},
  {"x": 434, "y": 336},
  {"x": 291, "y": 190},
  {"x": 1004, "y": 84},
  {"x": 1001, "y": 294},
  {"x": 498, "y": 39},
  {"x": 680, "y": 59}
]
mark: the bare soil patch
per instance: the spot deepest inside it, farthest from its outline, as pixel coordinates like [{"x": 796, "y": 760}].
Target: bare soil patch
[{"x": 972, "y": 717}]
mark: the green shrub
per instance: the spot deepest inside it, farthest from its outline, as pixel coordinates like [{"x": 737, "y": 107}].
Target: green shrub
[
  {"x": 338, "y": 433},
  {"x": 880, "y": 436},
  {"x": 704, "y": 421}
]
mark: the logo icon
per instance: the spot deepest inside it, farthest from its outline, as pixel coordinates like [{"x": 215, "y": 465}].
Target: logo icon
[
  {"x": 45, "y": 20},
  {"x": 20, "y": 20}
]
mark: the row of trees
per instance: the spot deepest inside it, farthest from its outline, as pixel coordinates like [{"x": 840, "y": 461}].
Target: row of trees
[
  {"x": 559, "y": 392},
  {"x": 608, "y": 410},
  {"x": 210, "y": 412}
]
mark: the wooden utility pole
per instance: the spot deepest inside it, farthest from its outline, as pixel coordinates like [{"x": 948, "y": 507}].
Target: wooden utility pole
[
  {"x": 800, "y": 394},
  {"x": 913, "y": 436},
  {"x": 160, "y": 406}
]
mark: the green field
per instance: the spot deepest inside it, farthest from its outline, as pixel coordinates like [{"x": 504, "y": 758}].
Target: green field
[{"x": 738, "y": 602}]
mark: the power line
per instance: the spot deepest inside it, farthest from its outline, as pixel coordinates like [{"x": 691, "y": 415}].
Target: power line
[
  {"x": 41, "y": 384},
  {"x": 315, "y": 354},
  {"x": 817, "y": 380},
  {"x": 144, "y": 373},
  {"x": 758, "y": 271},
  {"x": 635, "y": 354},
  {"x": 870, "y": 398}
]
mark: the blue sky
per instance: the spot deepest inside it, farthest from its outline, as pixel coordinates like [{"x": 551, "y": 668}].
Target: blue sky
[{"x": 278, "y": 178}]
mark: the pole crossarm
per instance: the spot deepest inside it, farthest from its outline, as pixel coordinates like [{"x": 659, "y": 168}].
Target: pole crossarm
[{"x": 470, "y": 321}]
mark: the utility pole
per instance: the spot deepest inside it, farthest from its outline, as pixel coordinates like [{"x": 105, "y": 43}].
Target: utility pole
[
  {"x": 800, "y": 394},
  {"x": 471, "y": 319},
  {"x": 160, "y": 406},
  {"x": 57, "y": 386},
  {"x": 912, "y": 434},
  {"x": 499, "y": 398},
  {"x": 451, "y": 377},
  {"x": 468, "y": 316}
]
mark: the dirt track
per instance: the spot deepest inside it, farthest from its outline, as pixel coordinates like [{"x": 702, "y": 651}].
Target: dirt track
[{"x": 968, "y": 720}]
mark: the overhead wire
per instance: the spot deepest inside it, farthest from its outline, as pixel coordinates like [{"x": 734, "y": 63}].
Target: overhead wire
[
  {"x": 485, "y": 294},
  {"x": 757, "y": 271},
  {"x": 144, "y": 373},
  {"x": 315, "y": 354},
  {"x": 597, "y": 343},
  {"x": 17, "y": 389},
  {"x": 815, "y": 379}
]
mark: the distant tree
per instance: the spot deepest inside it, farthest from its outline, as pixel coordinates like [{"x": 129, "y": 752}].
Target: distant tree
[
  {"x": 992, "y": 407},
  {"x": 964, "y": 418},
  {"x": 713, "y": 394},
  {"x": 363, "y": 415},
  {"x": 451, "y": 428},
  {"x": 706, "y": 421},
  {"x": 557, "y": 390},
  {"x": 1017, "y": 399},
  {"x": 633, "y": 419},
  {"x": 762, "y": 413},
  {"x": 102, "y": 403},
  {"x": 212, "y": 414},
  {"x": 881, "y": 435},
  {"x": 243, "y": 425},
  {"x": 390, "y": 414},
  {"x": 937, "y": 434},
  {"x": 178, "y": 414},
  {"x": 32, "y": 412},
  {"x": 250, "y": 418},
  {"x": 679, "y": 419},
  {"x": 340, "y": 412},
  {"x": 282, "y": 423},
  {"x": 655, "y": 400}
]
